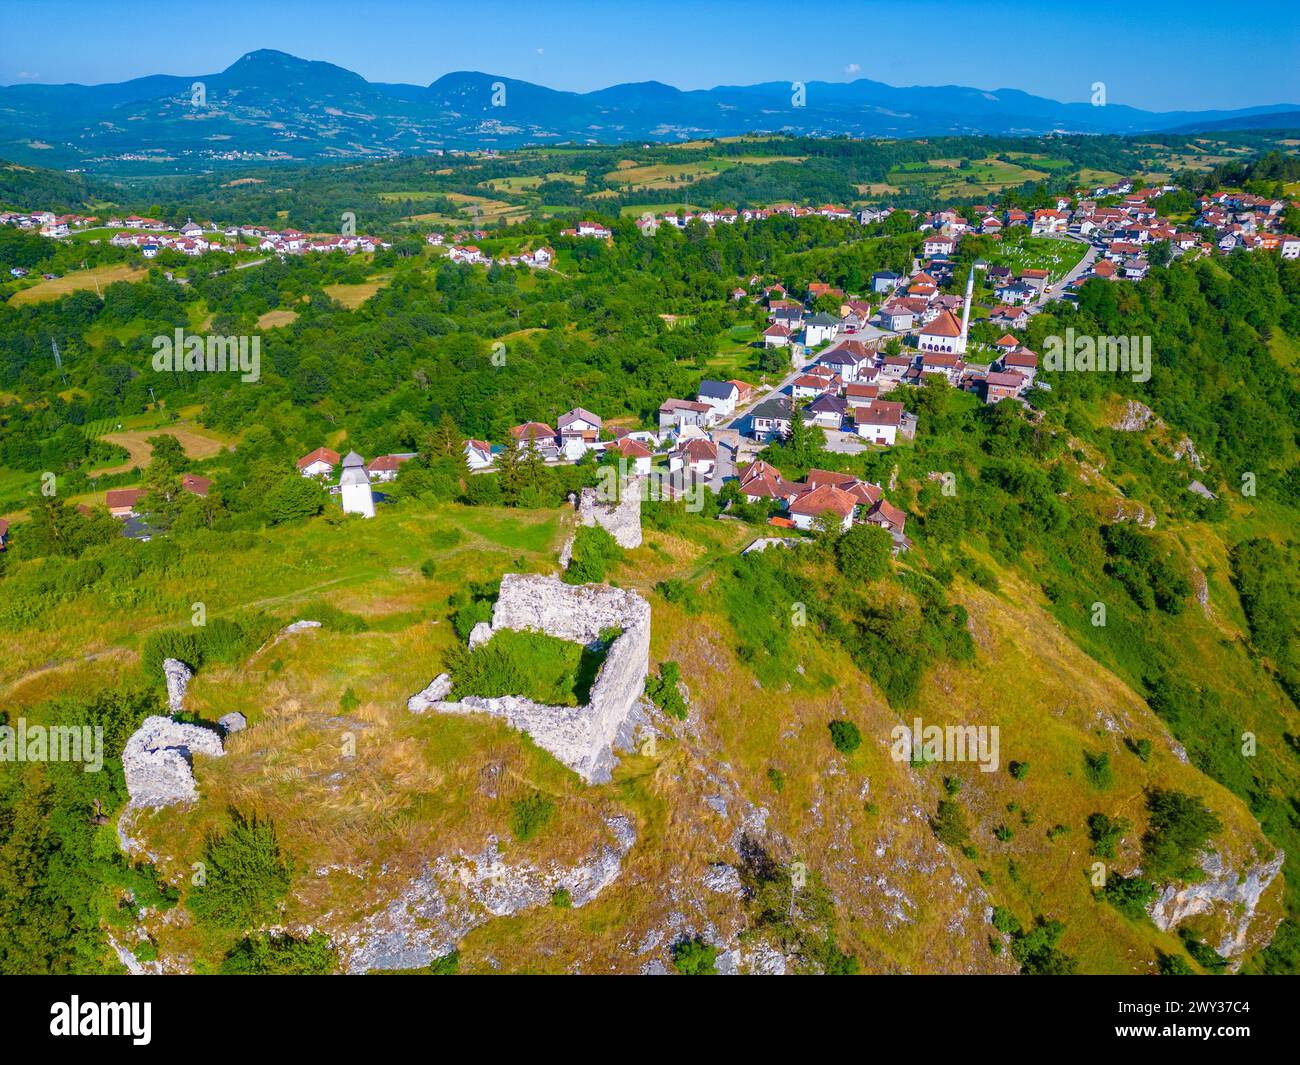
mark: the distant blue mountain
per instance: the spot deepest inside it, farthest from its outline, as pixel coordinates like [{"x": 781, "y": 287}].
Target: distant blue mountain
[{"x": 269, "y": 104}]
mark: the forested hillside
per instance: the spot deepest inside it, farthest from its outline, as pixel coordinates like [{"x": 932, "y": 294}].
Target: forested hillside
[{"x": 1169, "y": 728}]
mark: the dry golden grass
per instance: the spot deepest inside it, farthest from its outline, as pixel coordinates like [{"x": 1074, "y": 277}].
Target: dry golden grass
[
  {"x": 96, "y": 278},
  {"x": 277, "y": 318},
  {"x": 198, "y": 442},
  {"x": 353, "y": 296}
]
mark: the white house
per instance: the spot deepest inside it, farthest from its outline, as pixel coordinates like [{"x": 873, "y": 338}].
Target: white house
[
  {"x": 319, "y": 463},
  {"x": 720, "y": 395},
  {"x": 579, "y": 431},
  {"x": 697, "y": 455},
  {"x": 354, "y": 486},
  {"x": 386, "y": 467},
  {"x": 478, "y": 454},
  {"x": 943, "y": 334},
  {"x": 828, "y": 500},
  {"x": 820, "y": 328},
  {"x": 878, "y": 421},
  {"x": 679, "y": 413},
  {"x": 938, "y": 244},
  {"x": 635, "y": 453},
  {"x": 776, "y": 336}
]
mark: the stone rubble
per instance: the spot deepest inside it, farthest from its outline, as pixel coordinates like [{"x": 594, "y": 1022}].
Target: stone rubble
[
  {"x": 232, "y": 722},
  {"x": 158, "y": 760},
  {"x": 178, "y": 676},
  {"x": 439, "y": 688}
]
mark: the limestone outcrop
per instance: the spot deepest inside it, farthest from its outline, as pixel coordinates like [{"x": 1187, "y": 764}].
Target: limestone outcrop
[
  {"x": 455, "y": 894},
  {"x": 158, "y": 760},
  {"x": 1224, "y": 892},
  {"x": 582, "y": 737},
  {"x": 439, "y": 688}
]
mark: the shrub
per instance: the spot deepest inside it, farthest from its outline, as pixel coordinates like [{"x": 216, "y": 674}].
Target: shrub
[
  {"x": 293, "y": 498},
  {"x": 1036, "y": 950},
  {"x": 1142, "y": 748},
  {"x": 246, "y": 876},
  {"x": 561, "y": 899},
  {"x": 1019, "y": 770},
  {"x": 845, "y": 736},
  {"x": 181, "y": 644},
  {"x": 862, "y": 554},
  {"x": 529, "y": 815},
  {"x": 680, "y": 593},
  {"x": 1105, "y": 834},
  {"x": 1174, "y": 965},
  {"x": 694, "y": 957},
  {"x": 594, "y": 551},
  {"x": 664, "y": 692},
  {"x": 776, "y": 778},
  {"x": 445, "y": 964},
  {"x": 1202, "y": 953},
  {"x": 1177, "y": 832},
  {"x": 949, "y": 823},
  {"x": 1130, "y": 895},
  {"x": 538, "y": 666},
  {"x": 1096, "y": 768},
  {"x": 261, "y": 954}
]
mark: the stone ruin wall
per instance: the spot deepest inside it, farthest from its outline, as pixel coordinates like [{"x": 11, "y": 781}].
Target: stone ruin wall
[
  {"x": 581, "y": 737},
  {"x": 622, "y": 520}
]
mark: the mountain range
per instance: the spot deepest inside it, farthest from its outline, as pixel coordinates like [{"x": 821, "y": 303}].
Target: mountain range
[{"x": 270, "y": 105}]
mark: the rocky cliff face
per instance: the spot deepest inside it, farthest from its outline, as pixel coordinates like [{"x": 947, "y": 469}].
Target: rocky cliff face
[
  {"x": 1229, "y": 896},
  {"x": 455, "y": 894}
]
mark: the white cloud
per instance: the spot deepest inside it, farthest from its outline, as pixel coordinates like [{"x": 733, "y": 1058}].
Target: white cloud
[{"x": 852, "y": 68}]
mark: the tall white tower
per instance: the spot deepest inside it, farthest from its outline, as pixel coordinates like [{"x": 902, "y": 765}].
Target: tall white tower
[
  {"x": 354, "y": 485},
  {"x": 978, "y": 264}
]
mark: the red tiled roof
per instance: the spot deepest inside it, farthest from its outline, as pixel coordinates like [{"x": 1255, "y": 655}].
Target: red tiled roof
[
  {"x": 822, "y": 499},
  {"x": 199, "y": 486},
  {"x": 322, "y": 454},
  {"x": 944, "y": 325},
  {"x": 123, "y": 497},
  {"x": 879, "y": 412},
  {"x": 630, "y": 449},
  {"x": 532, "y": 431}
]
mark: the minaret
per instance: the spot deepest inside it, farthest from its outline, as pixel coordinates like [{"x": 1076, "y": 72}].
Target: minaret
[
  {"x": 978, "y": 264},
  {"x": 354, "y": 485}
]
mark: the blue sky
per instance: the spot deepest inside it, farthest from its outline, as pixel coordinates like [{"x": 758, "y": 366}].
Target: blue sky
[{"x": 1168, "y": 54}]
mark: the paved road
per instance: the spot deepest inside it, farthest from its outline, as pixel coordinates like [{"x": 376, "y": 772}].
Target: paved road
[{"x": 742, "y": 413}]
